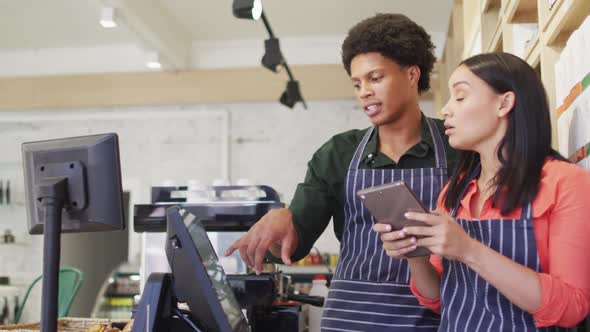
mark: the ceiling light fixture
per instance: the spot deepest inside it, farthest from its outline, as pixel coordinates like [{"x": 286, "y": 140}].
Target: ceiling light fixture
[
  {"x": 153, "y": 61},
  {"x": 247, "y": 9},
  {"x": 107, "y": 17},
  {"x": 272, "y": 54},
  {"x": 292, "y": 95},
  {"x": 273, "y": 57}
]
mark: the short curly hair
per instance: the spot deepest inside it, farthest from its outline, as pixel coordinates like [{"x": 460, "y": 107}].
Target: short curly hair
[{"x": 396, "y": 37}]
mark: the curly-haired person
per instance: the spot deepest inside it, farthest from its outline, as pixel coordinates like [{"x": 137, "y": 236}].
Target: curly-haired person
[{"x": 389, "y": 59}]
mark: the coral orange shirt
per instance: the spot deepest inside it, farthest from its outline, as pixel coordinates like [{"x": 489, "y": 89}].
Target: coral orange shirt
[{"x": 561, "y": 219}]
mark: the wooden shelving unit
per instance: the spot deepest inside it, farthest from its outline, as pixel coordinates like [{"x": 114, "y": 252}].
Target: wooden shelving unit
[
  {"x": 485, "y": 5},
  {"x": 506, "y": 25},
  {"x": 565, "y": 17},
  {"x": 495, "y": 43},
  {"x": 491, "y": 25},
  {"x": 472, "y": 18},
  {"x": 451, "y": 55},
  {"x": 532, "y": 53},
  {"x": 520, "y": 11}
]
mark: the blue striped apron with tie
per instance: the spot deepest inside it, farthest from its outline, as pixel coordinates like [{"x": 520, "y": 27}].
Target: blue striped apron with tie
[
  {"x": 370, "y": 291},
  {"x": 469, "y": 303}
]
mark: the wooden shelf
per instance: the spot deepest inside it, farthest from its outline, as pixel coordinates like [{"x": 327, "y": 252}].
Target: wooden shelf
[
  {"x": 521, "y": 11},
  {"x": 473, "y": 41},
  {"x": 496, "y": 38},
  {"x": 471, "y": 17},
  {"x": 487, "y": 4},
  {"x": 16, "y": 244},
  {"x": 484, "y": 5},
  {"x": 492, "y": 25},
  {"x": 532, "y": 54},
  {"x": 562, "y": 19}
]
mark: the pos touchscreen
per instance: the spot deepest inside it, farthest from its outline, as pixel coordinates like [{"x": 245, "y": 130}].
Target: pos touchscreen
[{"x": 199, "y": 277}]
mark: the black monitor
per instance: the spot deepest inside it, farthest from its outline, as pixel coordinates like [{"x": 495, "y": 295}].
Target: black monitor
[
  {"x": 91, "y": 166},
  {"x": 199, "y": 279},
  {"x": 71, "y": 185}
]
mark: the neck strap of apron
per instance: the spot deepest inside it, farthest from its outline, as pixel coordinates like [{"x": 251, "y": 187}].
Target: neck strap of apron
[{"x": 356, "y": 159}]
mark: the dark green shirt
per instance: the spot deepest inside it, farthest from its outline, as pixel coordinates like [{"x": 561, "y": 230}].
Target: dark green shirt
[{"x": 321, "y": 196}]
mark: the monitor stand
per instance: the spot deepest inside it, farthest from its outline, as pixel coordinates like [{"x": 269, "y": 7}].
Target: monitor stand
[
  {"x": 158, "y": 310},
  {"x": 51, "y": 194},
  {"x": 61, "y": 185}
]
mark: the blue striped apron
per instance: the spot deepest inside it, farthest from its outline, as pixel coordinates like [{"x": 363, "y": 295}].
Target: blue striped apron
[
  {"x": 370, "y": 291},
  {"x": 469, "y": 303}
]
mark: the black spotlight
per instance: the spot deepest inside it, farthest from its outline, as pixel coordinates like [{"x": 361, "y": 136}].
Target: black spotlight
[
  {"x": 292, "y": 95},
  {"x": 273, "y": 57},
  {"x": 247, "y": 9},
  {"x": 272, "y": 54}
]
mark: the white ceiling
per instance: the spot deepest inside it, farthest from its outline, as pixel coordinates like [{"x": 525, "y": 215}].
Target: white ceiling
[
  {"x": 213, "y": 19},
  {"x": 44, "y": 26},
  {"x": 34, "y": 24}
]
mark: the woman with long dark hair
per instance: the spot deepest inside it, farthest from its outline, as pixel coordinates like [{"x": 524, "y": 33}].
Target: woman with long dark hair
[{"x": 511, "y": 235}]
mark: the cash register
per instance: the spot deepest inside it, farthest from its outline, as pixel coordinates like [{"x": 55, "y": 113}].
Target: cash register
[{"x": 197, "y": 295}]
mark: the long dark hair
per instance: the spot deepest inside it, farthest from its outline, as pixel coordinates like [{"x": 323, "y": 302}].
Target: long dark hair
[{"x": 527, "y": 143}]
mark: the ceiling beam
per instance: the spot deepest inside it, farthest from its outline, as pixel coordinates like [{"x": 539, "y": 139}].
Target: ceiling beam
[
  {"x": 170, "y": 88},
  {"x": 157, "y": 28}
]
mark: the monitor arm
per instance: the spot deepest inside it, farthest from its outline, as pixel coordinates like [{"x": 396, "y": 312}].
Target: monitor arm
[{"x": 51, "y": 195}]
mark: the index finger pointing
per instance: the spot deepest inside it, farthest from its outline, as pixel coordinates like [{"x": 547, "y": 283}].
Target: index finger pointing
[{"x": 231, "y": 249}]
